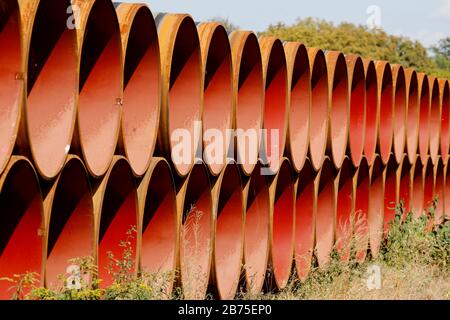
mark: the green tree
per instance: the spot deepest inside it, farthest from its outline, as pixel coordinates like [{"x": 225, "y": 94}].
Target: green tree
[{"x": 229, "y": 26}]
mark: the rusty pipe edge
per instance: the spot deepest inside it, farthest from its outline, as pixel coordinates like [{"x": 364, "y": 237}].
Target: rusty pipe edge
[
  {"x": 182, "y": 90},
  {"x": 305, "y": 208},
  {"x": 50, "y": 79},
  {"x": 357, "y": 113},
  {"x": 70, "y": 219},
  {"x": 248, "y": 95},
  {"x": 361, "y": 183},
  {"x": 141, "y": 83},
  {"x": 400, "y": 110},
  {"x": 413, "y": 113},
  {"x": 446, "y": 192},
  {"x": 11, "y": 86},
  {"x": 22, "y": 223},
  {"x": 375, "y": 216},
  {"x": 372, "y": 114},
  {"x": 282, "y": 224},
  {"x": 439, "y": 191},
  {"x": 100, "y": 84},
  {"x": 416, "y": 187},
  {"x": 345, "y": 205},
  {"x": 276, "y": 101},
  {"x": 394, "y": 191},
  {"x": 425, "y": 110},
  {"x": 385, "y": 106},
  {"x": 428, "y": 186},
  {"x": 196, "y": 216},
  {"x": 116, "y": 213},
  {"x": 325, "y": 212},
  {"x": 339, "y": 102},
  {"x": 218, "y": 103},
  {"x": 299, "y": 101},
  {"x": 158, "y": 236},
  {"x": 256, "y": 235},
  {"x": 229, "y": 216},
  {"x": 444, "y": 93},
  {"x": 320, "y": 107},
  {"x": 435, "y": 119}
]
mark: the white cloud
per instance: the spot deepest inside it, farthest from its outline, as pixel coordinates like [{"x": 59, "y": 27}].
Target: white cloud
[{"x": 444, "y": 10}]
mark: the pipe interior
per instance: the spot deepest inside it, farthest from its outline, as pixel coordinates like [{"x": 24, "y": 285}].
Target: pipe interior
[
  {"x": 400, "y": 114},
  {"x": 357, "y": 124},
  {"x": 424, "y": 133},
  {"x": 417, "y": 189},
  {"x": 371, "y": 113},
  {"x": 386, "y": 114},
  {"x": 390, "y": 192},
  {"x": 413, "y": 116},
  {"x": 435, "y": 122},
  {"x": 361, "y": 224},
  {"x": 445, "y": 122}
]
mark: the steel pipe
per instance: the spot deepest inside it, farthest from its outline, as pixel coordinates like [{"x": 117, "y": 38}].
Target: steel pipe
[
  {"x": 400, "y": 110},
  {"x": 435, "y": 119},
  {"x": 428, "y": 186},
  {"x": 22, "y": 223},
  {"x": 416, "y": 192},
  {"x": 372, "y": 114},
  {"x": 50, "y": 75},
  {"x": 141, "y": 83},
  {"x": 249, "y": 97},
  {"x": 375, "y": 214},
  {"x": 360, "y": 219},
  {"x": 424, "y": 126},
  {"x": 70, "y": 220},
  {"x": 393, "y": 179},
  {"x": 299, "y": 101},
  {"x": 446, "y": 192},
  {"x": 413, "y": 113},
  {"x": 439, "y": 191},
  {"x": 405, "y": 178},
  {"x": 444, "y": 93},
  {"x": 339, "y": 101}
]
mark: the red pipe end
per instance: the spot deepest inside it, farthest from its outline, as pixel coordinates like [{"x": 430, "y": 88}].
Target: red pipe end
[
  {"x": 405, "y": 178},
  {"x": 392, "y": 188},
  {"x": 400, "y": 111},
  {"x": 428, "y": 186},
  {"x": 386, "y": 110},
  {"x": 438, "y": 192},
  {"x": 417, "y": 187},
  {"x": 361, "y": 223},
  {"x": 444, "y": 87},
  {"x": 413, "y": 113},
  {"x": 371, "y": 134},
  {"x": 435, "y": 119},
  {"x": 424, "y": 126},
  {"x": 376, "y": 206}
]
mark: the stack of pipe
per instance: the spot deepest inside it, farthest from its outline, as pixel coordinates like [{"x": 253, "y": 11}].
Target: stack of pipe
[{"x": 92, "y": 100}]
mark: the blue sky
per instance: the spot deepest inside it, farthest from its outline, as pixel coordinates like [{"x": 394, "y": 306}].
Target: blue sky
[{"x": 426, "y": 21}]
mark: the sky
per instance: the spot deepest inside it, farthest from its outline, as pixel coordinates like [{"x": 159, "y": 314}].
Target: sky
[{"x": 423, "y": 20}]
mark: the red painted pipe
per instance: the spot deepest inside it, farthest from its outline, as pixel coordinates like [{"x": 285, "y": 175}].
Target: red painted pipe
[
  {"x": 22, "y": 226},
  {"x": 70, "y": 220},
  {"x": 444, "y": 93},
  {"x": 11, "y": 90},
  {"x": 361, "y": 224},
  {"x": 385, "y": 109},
  {"x": 194, "y": 204},
  {"x": 249, "y": 96},
  {"x": 372, "y": 114},
  {"x": 446, "y": 192},
  {"x": 357, "y": 94},
  {"x": 305, "y": 220},
  {"x": 51, "y": 79},
  {"x": 299, "y": 86},
  {"x": 424, "y": 127},
  {"x": 375, "y": 215},
  {"x": 182, "y": 93},
  {"x": 218, "y": 94},
  {"x": 413, "y": 113},
  {"x": 325, "y": 212},
  {"x": 101, "y": 84},
  {"x": 405, "y": 178},
  {"x": 438, "y": 191},
  {"x": 116, "y": 212},
  {"x": 282, "y": 230},
  {"x": 435, "y": 119},
  {"x": 392, "y": 186},
  {"x": 229, "y": 231},
  {"x": 416, "y": 205},
  {"x": 320, "y": 107},
  {"x": 345, "y": 209},
  {"x": 276, "y": 107},
  {"x": 428, "y": 185},
  {"x": 339, "y": 95},
  {"x": 400, "y": 110},
  {"x": 142, "y": 85},
  {"x": 158, "y": 236},
  {"x": 257, "y": 224}
]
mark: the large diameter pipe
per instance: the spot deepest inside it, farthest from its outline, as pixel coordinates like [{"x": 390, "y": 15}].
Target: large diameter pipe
[
  {"x": 256, "y": 235},
  {"x": 141, "y": 83},
  {"x": 372, "y": 114},
  {"x": 444, "y": 93},
  {"x": 249, "y": 97},
  {"x": 49, "y": 71},
  {"x": 439, "y": 191},
  {"x": 357, "y": 113},
  {"x": 229, "y": 213},
  {"x": 299, "y": 97},
  {"x": 282, "y": 228},
  {"x": 400, "y": 110},
  {"x": 428, "y": 186},
  {"x": 360, "y": 219},
  {"x": 194, "y": 203},
  {"x": 305, "y": 207},
  {"x": 22, "y": 223},
  {"x": 446, "y": 192},
  {"x": 405, "y": 177},
  {"x": 320, "y": 107},
  {"x": 218, "y": 101},
  {"x": 394, "y": 173},
  {"x": 276, "y": 107},
  {"x": 325, "y": 212},
  {"x": 101, "y": 83},
  {"x": 413, "y": 113},
  {"x": 435, "y": 119},
  {"x": 424, "y": 126},
  {"x": 11, "y": 89},
  {"x": 375, "y": 215},
  {"x": 339, "y": 96},
  {"x": 158, "y": 237},
  {"x": 70, "y": 220},
  {"x": 116, "y": 214},
  {"x": 345, "y": 205},
  {"x": 385, "y": 106},
  {"x": 416, "y": 192}
]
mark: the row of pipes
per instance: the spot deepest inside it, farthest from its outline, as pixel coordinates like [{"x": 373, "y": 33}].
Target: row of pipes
[{"x": 92, "y": 92}]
